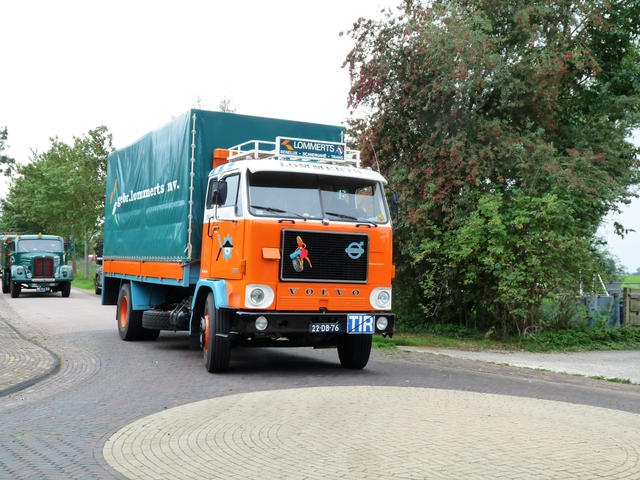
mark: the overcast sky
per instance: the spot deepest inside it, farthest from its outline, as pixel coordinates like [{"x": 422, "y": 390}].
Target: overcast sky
[{"x": 70, "y": 66}]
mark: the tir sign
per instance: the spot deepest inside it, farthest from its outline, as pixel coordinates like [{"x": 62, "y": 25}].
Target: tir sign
[
  {"x": 310, "y": 149},
  {"x": 358, "y": 323}
]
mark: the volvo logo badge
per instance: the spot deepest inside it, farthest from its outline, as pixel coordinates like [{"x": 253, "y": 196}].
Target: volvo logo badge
[{"x": 355, "y": 250}]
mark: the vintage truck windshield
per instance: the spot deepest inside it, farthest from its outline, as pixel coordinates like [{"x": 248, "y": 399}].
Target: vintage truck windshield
[
  {"x": 39, "y": 245},
  {"x": 296, "y": 195}
]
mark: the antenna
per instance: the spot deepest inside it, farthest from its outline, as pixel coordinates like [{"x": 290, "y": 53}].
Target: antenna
[{"x": 375, "y": 155}]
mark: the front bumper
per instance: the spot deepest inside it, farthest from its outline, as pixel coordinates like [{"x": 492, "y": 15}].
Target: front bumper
[{"x": 301, "y": 323}]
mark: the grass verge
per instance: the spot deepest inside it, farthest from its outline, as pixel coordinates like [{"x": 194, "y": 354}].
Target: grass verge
[{"x": 577, "y": 339}]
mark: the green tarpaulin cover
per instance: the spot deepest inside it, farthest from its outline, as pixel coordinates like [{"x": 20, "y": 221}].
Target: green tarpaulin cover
[{"x": 148, "y": 182}]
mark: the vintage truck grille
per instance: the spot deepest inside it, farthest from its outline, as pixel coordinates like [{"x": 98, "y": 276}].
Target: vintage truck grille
[
  {"x": 43, "y": 267},
  {"x": 329, "y": 257}
]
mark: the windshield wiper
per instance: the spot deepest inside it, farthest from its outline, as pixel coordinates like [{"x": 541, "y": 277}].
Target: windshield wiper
[
  {"x": 277, "y": 210},
  {"x": 353, "y": 219}
]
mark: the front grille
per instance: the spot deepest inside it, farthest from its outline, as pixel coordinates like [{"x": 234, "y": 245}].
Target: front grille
[
  {"x": 329, "y": 257},
  {"x": 43, "y": 267}
]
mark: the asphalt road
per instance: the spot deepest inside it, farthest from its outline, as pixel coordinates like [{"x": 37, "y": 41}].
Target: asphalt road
[{"x": 103, "y": 412}]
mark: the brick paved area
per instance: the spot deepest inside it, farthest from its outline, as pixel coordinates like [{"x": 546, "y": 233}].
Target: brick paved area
[
  {"x": 125, "y": 409},
  {"x": 378, "y": 432},
  {"x": 22, "y": 362}
]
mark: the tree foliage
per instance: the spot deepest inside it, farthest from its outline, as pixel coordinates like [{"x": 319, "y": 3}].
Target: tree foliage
[
  {"x": 62, "y": 190},
  {"x": 504, "y": 126},
  {"x": 7, "y": 164}
]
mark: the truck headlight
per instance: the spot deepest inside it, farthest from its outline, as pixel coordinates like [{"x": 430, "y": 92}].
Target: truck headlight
[
  {"x": 380, "y": 298},
  {"x": 20, "y": 271},
  {"x": 258, "y": 296}
]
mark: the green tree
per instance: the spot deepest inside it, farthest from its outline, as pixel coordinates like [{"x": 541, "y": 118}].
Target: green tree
[
  {"x": 504, "y": 126},
  {"x": 7, "y": 164},
  {"x": 61, "y": 191},
  {"x": 225, "y": 105}
]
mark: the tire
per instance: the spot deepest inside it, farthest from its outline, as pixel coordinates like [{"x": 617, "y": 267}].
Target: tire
[
  {"x": 156, "y": 320},
  {"x": 5, "y": 286},
  {"x": 15, "y": 289},
  {"x": 65, "y": 288},
  {"x": 97, "y": 289},
  {"x": 129, "y": 320},
  {"x": 216, "y": 350},
  {"x": 148, "y": 334},
  {"x": 354, "y": 351}
]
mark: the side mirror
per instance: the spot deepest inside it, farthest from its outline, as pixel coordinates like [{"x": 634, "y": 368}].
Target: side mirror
[
  {"x": 395, "y": 203},
  {"x": 218, "y": 192}
]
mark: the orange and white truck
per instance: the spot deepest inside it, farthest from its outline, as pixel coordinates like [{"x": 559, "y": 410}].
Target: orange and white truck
[{"x": 248, "y": 232}]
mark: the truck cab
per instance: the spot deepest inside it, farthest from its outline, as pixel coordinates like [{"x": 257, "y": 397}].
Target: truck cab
[
  {"x": 296, "y": 251},
  {"x": 35, "y": 262}
]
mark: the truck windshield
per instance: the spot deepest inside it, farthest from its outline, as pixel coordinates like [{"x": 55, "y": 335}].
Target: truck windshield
[
  {"x": 296, "y": 195},
  {"x": 39, "y": 245}
]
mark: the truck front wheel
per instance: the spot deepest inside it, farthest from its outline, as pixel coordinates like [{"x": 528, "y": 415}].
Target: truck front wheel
[
  {"x": 354, "y": 351},
  {"x": 66, "y": 289},
  {"x": 15, "y": 289},
  {"x": 5, "y": 286},
  {"x": 129, "y": 320},
  {"x": 216, "y": 349}
]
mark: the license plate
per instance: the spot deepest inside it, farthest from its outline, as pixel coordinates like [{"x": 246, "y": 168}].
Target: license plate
[
  {"x": 361, "y": 323},
  {"x": 324, "y": 327},
  {"x": 42, "y": 289}
]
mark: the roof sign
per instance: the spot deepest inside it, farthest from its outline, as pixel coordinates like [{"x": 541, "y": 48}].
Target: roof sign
[{"x": 299, "y": 147}]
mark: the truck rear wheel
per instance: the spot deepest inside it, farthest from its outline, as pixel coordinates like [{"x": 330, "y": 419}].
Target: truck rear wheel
[
  {"x": 66, "y": 289},
  {"x": 129, "y": 320},
  {"x": 354, "y": 351},
  {"x": 216, "y": 349},
  {"x": 15, "y": 289}
]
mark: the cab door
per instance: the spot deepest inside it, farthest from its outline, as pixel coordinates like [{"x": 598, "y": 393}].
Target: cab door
[{"x": 223, "y": 232}]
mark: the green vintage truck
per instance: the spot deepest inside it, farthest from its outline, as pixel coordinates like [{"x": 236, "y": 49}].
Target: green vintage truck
[{"x": 37, "y": 262}]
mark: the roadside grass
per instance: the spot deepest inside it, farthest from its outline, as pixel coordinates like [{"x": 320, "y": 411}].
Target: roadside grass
[
  {"x": 78, "y": 277},
  {"x": 630, "y": 281},
  {"x": 614, "y": 380},
  {"x": 579, "y": 338}
]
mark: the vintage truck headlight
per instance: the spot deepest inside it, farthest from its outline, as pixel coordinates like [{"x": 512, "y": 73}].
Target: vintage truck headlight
[
  {"x": 258, "y": 296},
  {"x": 380, "y": 298},
  {"x": 20, "y": 270}
]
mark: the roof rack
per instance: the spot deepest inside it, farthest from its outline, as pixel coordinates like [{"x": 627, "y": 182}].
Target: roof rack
[{"x": 260, "y": 149}]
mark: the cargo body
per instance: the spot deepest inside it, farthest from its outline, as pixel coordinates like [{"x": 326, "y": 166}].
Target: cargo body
[
  {"x": 34, "y": 262},
  {"x": 248, "y": 232}
]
